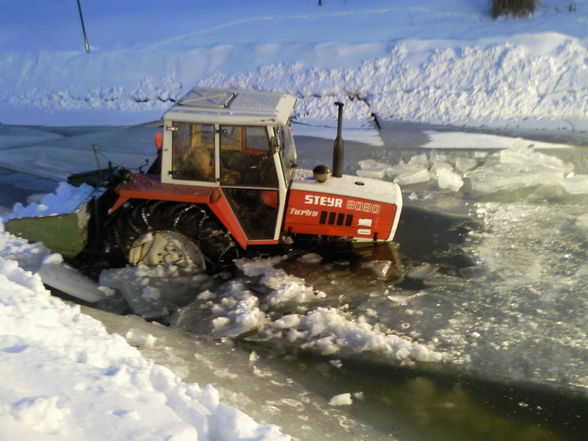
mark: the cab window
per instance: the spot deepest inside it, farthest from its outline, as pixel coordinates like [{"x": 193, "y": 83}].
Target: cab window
[
  {"x": 193, "y": 151},
  {"x": 246, "y": 158}
]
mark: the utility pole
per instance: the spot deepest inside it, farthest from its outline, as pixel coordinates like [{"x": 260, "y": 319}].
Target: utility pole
[{"x": 86, "y": 44}]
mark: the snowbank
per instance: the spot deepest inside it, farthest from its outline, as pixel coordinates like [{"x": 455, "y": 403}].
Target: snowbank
[
  {"x": 446, "y": 63},
  {"x": 69, "y": 378}
]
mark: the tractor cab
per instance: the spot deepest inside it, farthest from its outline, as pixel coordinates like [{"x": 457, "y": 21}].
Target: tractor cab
[{"x": 239, "y": 142}]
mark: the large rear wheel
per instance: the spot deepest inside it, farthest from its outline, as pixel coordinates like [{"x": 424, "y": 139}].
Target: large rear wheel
[{"x": 166, "y": 233}]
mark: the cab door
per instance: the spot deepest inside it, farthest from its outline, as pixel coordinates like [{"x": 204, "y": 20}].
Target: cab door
[{"x": 251, "y": 180}]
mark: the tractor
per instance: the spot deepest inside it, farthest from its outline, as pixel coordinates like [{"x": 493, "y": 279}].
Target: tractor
[{"x": 225, "y": 180}]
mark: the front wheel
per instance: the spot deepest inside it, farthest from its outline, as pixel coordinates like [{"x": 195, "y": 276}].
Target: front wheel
[{"x": 165, "y": 233}]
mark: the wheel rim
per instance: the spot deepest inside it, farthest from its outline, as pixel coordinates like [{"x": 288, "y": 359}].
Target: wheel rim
[{"x": 166, "y": 248}]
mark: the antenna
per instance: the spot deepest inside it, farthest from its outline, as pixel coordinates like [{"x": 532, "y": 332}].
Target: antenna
[{"x": 86, "y": 44}]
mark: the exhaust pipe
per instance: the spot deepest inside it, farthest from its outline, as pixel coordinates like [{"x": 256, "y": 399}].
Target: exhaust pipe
[{"x": 338, "y": 149}]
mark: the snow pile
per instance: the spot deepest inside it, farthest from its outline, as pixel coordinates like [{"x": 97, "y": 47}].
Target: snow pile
[
  {"x": 488, "y": 82},
  {"x": 30, "y": 257},
  {"x": 331, "y": 331},
  {"x": 69, "y": 378},
  {"x": 286, "y": 288},
  {"x": 66, "y": 199}
]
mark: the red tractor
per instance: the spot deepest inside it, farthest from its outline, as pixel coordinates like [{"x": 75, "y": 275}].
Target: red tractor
[{"x": 226, "y": 180}]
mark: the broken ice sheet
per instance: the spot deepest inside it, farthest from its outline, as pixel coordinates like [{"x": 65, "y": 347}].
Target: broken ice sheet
[
  {"x": 154, "y": 291},
  {"x": 520, "y": 167}
]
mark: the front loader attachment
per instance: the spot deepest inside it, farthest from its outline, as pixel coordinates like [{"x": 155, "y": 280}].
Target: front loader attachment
[{"x": 66, "y": 234}]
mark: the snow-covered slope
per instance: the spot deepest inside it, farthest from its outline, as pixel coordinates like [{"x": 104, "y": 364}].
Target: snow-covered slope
[{"x": 444, "y": 62}]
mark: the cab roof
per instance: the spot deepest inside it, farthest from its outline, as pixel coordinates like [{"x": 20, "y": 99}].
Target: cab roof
[{"x": 232, "y": 106}]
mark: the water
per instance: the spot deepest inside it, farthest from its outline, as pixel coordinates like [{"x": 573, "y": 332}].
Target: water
[
  {"x": 492, "y": 293},
  {"x": 394, "y": 403}
]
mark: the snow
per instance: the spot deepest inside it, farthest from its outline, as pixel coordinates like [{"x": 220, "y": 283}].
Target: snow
[
  {"x": 66, "y": 199},
  {"x": 446, "y": 63},
  {"x": 70, "y": 378}
]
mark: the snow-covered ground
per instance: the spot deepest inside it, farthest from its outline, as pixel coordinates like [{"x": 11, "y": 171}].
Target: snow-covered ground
[
  {"x": 509, "y": 315},
  {"x": 445, "y": 62},
  {"x": 66, "y": 377}
]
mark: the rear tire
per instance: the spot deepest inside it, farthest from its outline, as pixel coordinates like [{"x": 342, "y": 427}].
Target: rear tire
[{"x": 170, "y": 233}]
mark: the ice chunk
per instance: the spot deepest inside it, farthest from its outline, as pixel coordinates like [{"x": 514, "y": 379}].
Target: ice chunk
[
  {"x": 449, "y": 180},
  {"x": 64, "y": 278},
  {"x": 372, "y": 169},
  {"x": 140, "y": 338},
  {"x": 464, "y": 164},
  {"x": 446, "y": 177},
  {"x": 413, "y": 175},
  {"x": 526, "y": 158},
  {"x": 577, "y": 184},
  {"x": 420, "y": 160},
  {"x": 371, "y": 173},
  {"x": 152, "y": 291},
  {"x": 341, "y": 400}
]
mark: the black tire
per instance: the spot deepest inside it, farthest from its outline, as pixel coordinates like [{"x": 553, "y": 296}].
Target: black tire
[{"x": 194, "y": 223}]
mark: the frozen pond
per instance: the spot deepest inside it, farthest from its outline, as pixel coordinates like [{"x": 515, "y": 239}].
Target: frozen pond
[{"x": 487, "y": 322}]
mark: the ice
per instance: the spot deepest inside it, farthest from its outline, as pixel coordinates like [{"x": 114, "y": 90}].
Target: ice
[
  {"x": 341, "y": 400},
  {"x": 287, "y": 289},
  {"x": 330, "y": 331},
  {"x": 576, "y": 185},
  {"x": 447, "y": 179},
  {"x": 277, "y": 309},
  {"x": 154, "y": 291},
  {"x": 582, "y": 222},
  {"x": 69, "y": 280},
  {"x": 526, "y": 158},
  {"x": 462, "y": 140},
  {"x": 413, "y": 175},
  {"x": 370, "y": 168},
  {"x": 463, "y": 164},
  {"x": 522, "y": 167}
]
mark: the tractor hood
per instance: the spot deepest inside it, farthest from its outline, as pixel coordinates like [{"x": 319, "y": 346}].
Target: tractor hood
[{"x": 369, "y": 208}]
